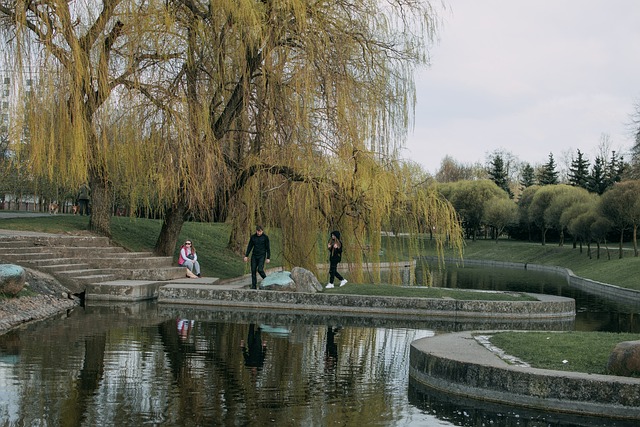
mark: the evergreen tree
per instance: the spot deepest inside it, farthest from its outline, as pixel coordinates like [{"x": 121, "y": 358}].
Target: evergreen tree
[
  {"x": 579, "y": 171},
  {"x": 597, "y": 178},
  {"x": 634, "y": 166},
  {"x": 614, "y": 170},
  {"x": 528, "y": 177},
  {"x": 548, "y": 174},
  {"x": 498, "y": 174}
]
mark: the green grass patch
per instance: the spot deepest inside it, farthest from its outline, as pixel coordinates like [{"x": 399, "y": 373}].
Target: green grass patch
[
  {"x": 426, "y": 292},
  {"x": 586, "y": 352}
]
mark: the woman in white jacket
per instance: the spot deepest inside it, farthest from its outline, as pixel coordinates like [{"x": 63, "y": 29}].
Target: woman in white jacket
[{"x": 189, "y": 259}]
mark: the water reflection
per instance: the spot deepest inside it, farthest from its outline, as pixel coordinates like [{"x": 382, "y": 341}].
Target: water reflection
[
  {"x": 151, "y": 365},
  {"x": 141, "y": 364},
  {"x": 593, "y": 312},
  {"x": 254, "y": 349},
  {"x": 469, "y": 412}
]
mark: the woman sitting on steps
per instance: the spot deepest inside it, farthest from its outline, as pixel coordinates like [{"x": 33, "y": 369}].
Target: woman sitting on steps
[{"x": 189, "y": 260}]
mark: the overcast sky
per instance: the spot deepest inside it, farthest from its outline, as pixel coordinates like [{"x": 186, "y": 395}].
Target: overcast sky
[{"x": 530, "y": 78}]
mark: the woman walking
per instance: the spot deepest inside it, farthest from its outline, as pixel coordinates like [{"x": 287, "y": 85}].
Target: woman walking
[{"x": 335, "y": 256}]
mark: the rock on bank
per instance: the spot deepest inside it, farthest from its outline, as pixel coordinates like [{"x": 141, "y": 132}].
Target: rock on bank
[{"x": 48, "y": 298}]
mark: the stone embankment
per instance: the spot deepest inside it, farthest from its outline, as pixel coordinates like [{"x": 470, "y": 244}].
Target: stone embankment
[{"x": 48, "y": 298}]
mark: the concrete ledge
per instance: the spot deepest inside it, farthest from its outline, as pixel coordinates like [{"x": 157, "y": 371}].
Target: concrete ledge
[
  {"x": 457, "y": 364},
  {"x": 546, "y": 307},
  {"x": 134, "y": 290}
]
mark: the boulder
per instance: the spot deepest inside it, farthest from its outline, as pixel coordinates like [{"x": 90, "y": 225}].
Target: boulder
[
  {"x": 12, "y": 279},
  {"x": 624, "y": 360},
  {"x": 298, "y": 280},
  {"x": 305, "y": 280},
  {"x": 280, "y": 281}
]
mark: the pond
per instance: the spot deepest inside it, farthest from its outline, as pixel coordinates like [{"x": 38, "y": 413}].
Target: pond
[
  {"x": 593, "y": 312},
  {"x": 160, "y": 365}
]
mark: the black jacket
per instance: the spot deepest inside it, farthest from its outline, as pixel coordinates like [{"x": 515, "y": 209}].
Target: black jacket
[
  {"x": 335, "y": 254},
  {"x": 260, "y": 246}
]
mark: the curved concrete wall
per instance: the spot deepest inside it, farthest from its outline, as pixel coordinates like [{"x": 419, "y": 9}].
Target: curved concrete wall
[{"x": 456, "y": 364}]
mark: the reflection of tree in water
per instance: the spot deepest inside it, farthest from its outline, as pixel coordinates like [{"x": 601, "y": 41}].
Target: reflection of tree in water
[{"x": 207, "y": 380}]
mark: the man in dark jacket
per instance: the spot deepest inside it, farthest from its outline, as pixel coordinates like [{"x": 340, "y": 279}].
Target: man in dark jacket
[{"x": 259, "y": 243}]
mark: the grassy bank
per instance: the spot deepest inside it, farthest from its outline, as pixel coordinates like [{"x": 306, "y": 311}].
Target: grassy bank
[
  {"x": 586, "y": 352},
  {"x": 620, "y": 272}
]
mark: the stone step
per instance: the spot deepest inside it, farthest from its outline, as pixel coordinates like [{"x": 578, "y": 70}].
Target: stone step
[
  {"x": 132, "y": 262},
  {"x": 77, "y": 261},
  {"x": 89, "y": 272},
  {"x": 27, "y": 258},
  {"x": 81, "y": 282},
  {"x": 57, "y": 268},
  {"x": 63, "y": 251},
  {"x": 158, "y": 274},
  {"x": 38, "y": 263},
  {"x": 55, "y": 240}
]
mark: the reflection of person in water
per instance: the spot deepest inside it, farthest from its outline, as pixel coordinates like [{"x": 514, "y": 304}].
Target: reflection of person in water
[
  {"x": 331, "y": 350},
  {"x": 184, "y": 327},
  {"x": 255, "y": 349}
]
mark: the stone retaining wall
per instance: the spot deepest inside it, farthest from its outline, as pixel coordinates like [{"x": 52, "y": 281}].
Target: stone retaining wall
[
  {"x": 546, "y": 307},
  {"x": 458, "y": 365}
]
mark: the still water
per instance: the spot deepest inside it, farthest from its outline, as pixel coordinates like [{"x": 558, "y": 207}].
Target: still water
[
  {"x": 158, "y": 365},
  {"x": 593, "y": 312}
]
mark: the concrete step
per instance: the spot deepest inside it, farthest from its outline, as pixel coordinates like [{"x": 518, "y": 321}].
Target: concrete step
[
  {"x": 37, "y": 263},
  {"x": 157, "y": 274},
  {"x": 136, "y": 290},
  {"x": 27, "y": 258},
  {"x": 64, "y": 251},
  {"x": 56, "y": 240},
  {"x": 77, "y": 261},
  {"x": 81, "y": 282},
  {"x": 58, "y": 268},
  {"x": 132, "y": 262},
  {"x": 89, "y": 272}
]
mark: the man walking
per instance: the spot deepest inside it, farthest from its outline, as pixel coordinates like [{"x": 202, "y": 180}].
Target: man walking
[{"x": 259, "y": 244}]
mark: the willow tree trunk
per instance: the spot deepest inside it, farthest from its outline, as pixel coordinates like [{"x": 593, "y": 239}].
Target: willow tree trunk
[
  {"x": 171, "y": 227},
  {"x": 101, "y": 201}
]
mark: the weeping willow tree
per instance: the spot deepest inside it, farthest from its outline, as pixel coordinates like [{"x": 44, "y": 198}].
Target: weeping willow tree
[
  {"x": 84, "y": 52},
  {"x": 284, "y": 113}
]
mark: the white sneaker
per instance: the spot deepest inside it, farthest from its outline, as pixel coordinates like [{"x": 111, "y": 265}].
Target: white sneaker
[
  {"x": 343, "y": 282},
  {"x": 329, "y": 285}
]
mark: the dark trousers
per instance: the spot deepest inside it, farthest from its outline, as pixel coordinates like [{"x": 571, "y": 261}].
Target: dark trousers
[
  {"x": 257, "y": 266},
  {"x": 333, "y": 272},
  {"x": 83, "y": 207}
]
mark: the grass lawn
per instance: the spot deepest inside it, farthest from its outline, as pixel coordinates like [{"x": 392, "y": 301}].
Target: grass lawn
[{"x": 586, "y": 352}]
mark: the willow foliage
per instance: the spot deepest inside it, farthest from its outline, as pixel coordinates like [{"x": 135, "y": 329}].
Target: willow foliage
[{"x": 287, "y": 113}]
